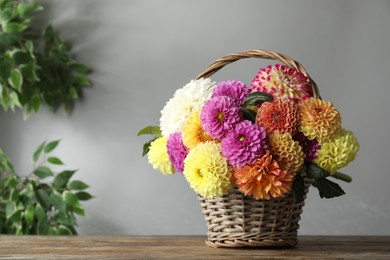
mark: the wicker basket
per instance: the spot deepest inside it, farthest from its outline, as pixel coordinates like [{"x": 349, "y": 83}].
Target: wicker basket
[{"x": 236, "y": 220}]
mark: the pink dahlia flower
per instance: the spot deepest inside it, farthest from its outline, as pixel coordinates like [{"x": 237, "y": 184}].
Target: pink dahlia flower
[
  {"x": 282, "y": 81},
  {"x": 246, "y": 143},
  {"x": 219, "y": 116},
  {"x": 177, "y": 151},
  {"x": 234, "y": 89}
]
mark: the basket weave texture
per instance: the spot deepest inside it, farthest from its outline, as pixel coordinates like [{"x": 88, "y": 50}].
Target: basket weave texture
[{"x": 236, "y": 220}]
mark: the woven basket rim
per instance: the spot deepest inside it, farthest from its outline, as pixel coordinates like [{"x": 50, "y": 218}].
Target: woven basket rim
[{"x": 262, "y": 54}]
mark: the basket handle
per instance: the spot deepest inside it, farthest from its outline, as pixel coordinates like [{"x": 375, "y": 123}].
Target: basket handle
[{"x": 262, "y": 54}]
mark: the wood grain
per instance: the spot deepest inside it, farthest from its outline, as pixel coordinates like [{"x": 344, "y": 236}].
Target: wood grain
[{"x": 183, "y": 247}]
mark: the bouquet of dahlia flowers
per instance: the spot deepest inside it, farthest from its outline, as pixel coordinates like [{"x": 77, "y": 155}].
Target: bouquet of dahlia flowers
[{"x": 264, "y": 139}]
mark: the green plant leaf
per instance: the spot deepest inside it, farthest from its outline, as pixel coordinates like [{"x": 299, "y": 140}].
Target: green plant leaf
[
  {"x": 70, "y": 199},
  {"x": 43, "y": 172},
  {"x": 40, "y": 213},
  {"x": 52, "y": 231},
  {"x": 16, "y": 79},
  {"x": 146, "y": 147},
  {"x": 6, "y": 15},
  {"x": 30, "y": 46},
  {"x": 44, "y": 198},
  {"x": 36, "y": 103},
  {"x": 13, "y": 27},
  {"x": 58, "y": 201},
  {"x": 29, "y": 214},
  {"x": 73, "y": 93},
  {"x": 79, "y": 210},
  {"x": 315, "y": 172},
  {"x": 43, "y": 227},
  {"x": 82, "y": 195},
  {"x": 38, "y": 151},
  {"x": 327, "y": 188},
  {"x": 256, "y": 98},
  {"x": 62, "y": 178},
  {"x": 150, "y": 130},
  {"x": 51, "y": 146},
  {"x": 63, "y": 230},
  {"x": 10, "y": 209},
  {"x": 14, "y": 99},
  {"x": 77, "y": 185},
  {"x": 341, "y": 176},
  {"x": 20, "y": 57},
  {"x": 55, "y": 160},
  {"x": 249, "y": 114}
]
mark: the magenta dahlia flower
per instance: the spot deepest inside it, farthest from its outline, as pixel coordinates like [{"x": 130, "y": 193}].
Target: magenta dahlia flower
[
  {"x": 177, "y": 151},
  {"x": 234, "y": 89},
  {"x": 219, "y": 116},
  {"x": 282, "y": 81},
  {"x": 246, "y": 143},
  {"x": 309, "y": 147}
]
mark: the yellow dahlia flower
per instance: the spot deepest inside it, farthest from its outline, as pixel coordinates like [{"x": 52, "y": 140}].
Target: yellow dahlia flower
[
  {"x": 192, "y": 132},
  {"x": 318, "y": 119},
  {"x": 287, "y": 152},
  {"x": 158, "y": 156},
  {"x": 207, "y": 171},
  {"x": 338, "y": 153}
]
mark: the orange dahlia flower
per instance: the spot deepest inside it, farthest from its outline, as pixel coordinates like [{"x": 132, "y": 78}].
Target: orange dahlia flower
[
  {"x": 278, "y": 115},
  {"x": 263, "y": 179},
  {"x": 287, "y": 152},
  {"x": 318, "y": 119}
]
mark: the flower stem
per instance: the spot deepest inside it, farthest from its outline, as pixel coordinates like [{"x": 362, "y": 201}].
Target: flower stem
[{"x": 341, "y": 176}]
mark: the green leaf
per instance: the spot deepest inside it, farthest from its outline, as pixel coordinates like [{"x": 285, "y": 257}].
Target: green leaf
[
  {"x": 249, "y": 114},
  {"x": 20, "y": 57},
  {"x": 327, "y": 188},
  {"x": 51, "y": 146},
  {"x": 82, "y": 80},
  {"x": 150, "y": 130},
  {"x": 62, "y": 178},
  {"x": 82, "y": 195},
  {"x": 36, "y": 103},
  {"x": 15, "y": 99},
  {"x": 73, "y": 93},
  {"x": 77, "y": 185},
  {"x": 16, "y": 79},
  {"x": 38, "y": 152},
  {"x": 29, "y": 72},
  {"x": 63, "y": 230},
  {"x": 70, "y": 199},
  {"x": 55, "y": 160},
  {"x": 10, "y": 209},
  {"x": 43, "y": 172},
  {"x": 341, "y": 176},
  {"x": 44, "y": 198},
  {"x": 6, "y": 15},
  {"x": 53, "y": 231},
  {"x": 29, "y": 214},
  {"x": 30, "y": 47},
  {"x": 298, "y": 188},
  {"x": 14, "y": 27},
  {"x": 7, "y": 39},
  {"x": 79, "y": 210},
  {"x": 146, "y": 147},
  {"x": 43, "y": 227},
  {"x": 40, "y": 213},
  {"x": 256, "y": 98},
  {"x": 57, "y": 201},
  {"x": 315, "y": 172}
]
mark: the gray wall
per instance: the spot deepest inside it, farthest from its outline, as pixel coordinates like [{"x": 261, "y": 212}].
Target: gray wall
[{"x": 142, "y": 51}]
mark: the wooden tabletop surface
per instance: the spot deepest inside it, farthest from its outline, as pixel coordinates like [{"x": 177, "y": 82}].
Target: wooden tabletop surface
[{"x": 186, "y": 247}]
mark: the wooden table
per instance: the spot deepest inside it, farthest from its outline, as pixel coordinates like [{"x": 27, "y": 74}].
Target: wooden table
[{"x": 184, "y": 247}]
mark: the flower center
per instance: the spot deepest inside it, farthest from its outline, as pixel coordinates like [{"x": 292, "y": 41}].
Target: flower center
[
  {"x": 220, "y": 116},
  {"x": 242, "y": 138},
  {"x": 275, "y": 116}
]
